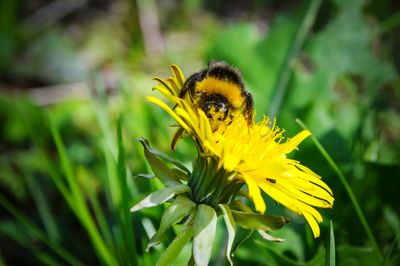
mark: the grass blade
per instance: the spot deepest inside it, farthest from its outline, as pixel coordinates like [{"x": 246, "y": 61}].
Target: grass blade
[
  {"x": 286, "y": 73},
  {"x": 46, "y": 216},
  {"x": 124, "y": 206},
  {"x": 330, "y": 249},
  {"x": 38, "y": 141},
  {"x": 81, "y": 209},
  {"x": 36, "y": 232}
]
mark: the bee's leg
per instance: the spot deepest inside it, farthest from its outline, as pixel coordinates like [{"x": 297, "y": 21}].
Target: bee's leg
[{"x": 249, "y": 108}]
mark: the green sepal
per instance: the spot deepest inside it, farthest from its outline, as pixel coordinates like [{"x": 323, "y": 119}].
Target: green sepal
[
  {"x": 160, "y": 169},
  {"x": 180, "y": 207},
  {"x": 269, "y": 237},
  {"x": 204, "y": 227},
  {"x": 146, "y": 176},
  {"x": 176, "y": 246},
  {"x": 180, "y": 174},
  {"x": 237, "y": 205},
  {"x": 231, "y": 227},
  {"x": 241, "y": 240},
  {"x": 161, "y": 196},
  {"x": 259, "y": 221}
]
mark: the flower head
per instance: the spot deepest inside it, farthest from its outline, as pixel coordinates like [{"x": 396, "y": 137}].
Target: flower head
[
  {"x": 254, "y": 154},
  {"x": 213, "y": 108}
]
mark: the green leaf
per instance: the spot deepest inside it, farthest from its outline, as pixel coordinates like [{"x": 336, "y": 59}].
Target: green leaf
[
  {"x": 231, "y": 227},
  {"x": 160, "y": 196},
  {"x": 259, "y": 221},
  {"x": 204, "y": 227},
  {"x": 173, "y": 250},
  {"x": 330, "y": 250},
  {"x": 181, "y": 207}
]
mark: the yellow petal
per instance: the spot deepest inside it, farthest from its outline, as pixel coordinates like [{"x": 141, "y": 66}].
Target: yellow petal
[
  {"x": 178, "y": 75},
  {"x": 169, "y": 111},
  {"x": 292, "y": 143},
  {"x": 255, "y": 194},
  {"x": 313, "y": 216},
  {"x": 167, "y": 94},
  {"x": 313, "y": 224},
  {"x": 307, "y": 198}
]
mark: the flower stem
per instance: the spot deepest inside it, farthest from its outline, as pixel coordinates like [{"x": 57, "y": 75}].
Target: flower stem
[{"x": 349, "y": 191}]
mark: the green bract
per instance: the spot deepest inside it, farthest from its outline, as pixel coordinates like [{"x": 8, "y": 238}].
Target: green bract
[{"x": 197, "y": 199}]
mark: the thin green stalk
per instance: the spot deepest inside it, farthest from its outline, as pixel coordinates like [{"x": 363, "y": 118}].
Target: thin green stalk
[
  {"x": 116, "y": 188},
  {"x": 36, "y": 232},
  {"x": 46, "y": 259},
  {"x": 113, "y": 196},
  {"x": 330, "y": 259},
  {"x": 286, "y": 71},
  {"x": 36, "y": 139},
  {"x": 125, "y": 199},
  {"x": 101, "y": 218},
  {"x": 349, "y": 191},
  {"x": 118, "y": 197},
  {"x": 43, "y": 208},
  {"x": 81, "y": 210},
  {"x": 20, "y": 237}
]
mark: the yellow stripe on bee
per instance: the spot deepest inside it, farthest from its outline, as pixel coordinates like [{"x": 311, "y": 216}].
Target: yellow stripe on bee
[{"x": 229, "y": 90}]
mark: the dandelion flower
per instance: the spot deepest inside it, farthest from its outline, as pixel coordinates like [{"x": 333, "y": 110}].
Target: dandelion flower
[
  {"x": 235, "y": 155},
  {"x": 254, "y": 154}
]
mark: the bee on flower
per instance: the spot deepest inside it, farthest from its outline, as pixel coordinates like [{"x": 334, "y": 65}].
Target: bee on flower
[{"x": 236, "y": 156}]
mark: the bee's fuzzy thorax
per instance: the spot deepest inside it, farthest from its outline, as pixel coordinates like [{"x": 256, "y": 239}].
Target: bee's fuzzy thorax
[{"x": 227, "y": 89}]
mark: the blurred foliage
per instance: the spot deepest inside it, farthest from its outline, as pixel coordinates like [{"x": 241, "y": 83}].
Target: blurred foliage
[{"x": 79, "y": 68}]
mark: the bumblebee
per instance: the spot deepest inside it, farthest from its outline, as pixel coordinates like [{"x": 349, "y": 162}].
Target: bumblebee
[{"x": 219, "y": 91}]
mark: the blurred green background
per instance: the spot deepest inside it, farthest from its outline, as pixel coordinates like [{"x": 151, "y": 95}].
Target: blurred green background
[{"x": 72, "y": 71}]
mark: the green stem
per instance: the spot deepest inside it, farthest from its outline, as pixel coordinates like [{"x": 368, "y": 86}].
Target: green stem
[
  {"x": 349, "y": 191},
  {"x": 286, "y": 72}
]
